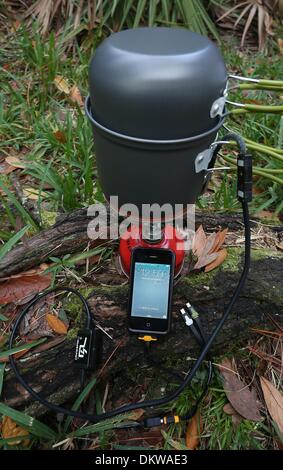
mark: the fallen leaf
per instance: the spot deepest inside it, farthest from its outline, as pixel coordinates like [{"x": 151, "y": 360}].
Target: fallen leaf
[
  {"x": 221, "y": 235},
  {"x": 199, "y": 242},
  {"x": 229, "y": 410},
  {"x": 17, "y": 355},
  {"x": 221, "y": 256},
  {"x": 136, "y": 414},
  {"x": 60, "y": 136},
  {"x": 35, "y": 324},
  {"x": 61, "y": 84},
  {"x": 274, "y": 402},
  {"x": 15, "y": 26},
  {"x": 210, "y": 242},
  {"x": 279, "y": 245},
  {"x": 15, "y": 289},
  {"x": 56, "y": 324},
  {"x": 33, "y": 193},
  {"x": 15, "y": 162},
  {"x": 242, "y": 399},
  {"x": 31, "y": 272},
  {"x": 5, "y": 168},
  {"x": 205, "y": 260},
  {"x": 206, "y": 248},
  {"x": 11, "y": 429},
  {"x": 76, "y": 96},
  {"x": 194, "y": 431}
]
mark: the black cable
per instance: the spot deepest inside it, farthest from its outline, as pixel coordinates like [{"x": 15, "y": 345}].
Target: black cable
[
  {"x": 239, "y": 141},
  {"x": 192, "y": 372}
]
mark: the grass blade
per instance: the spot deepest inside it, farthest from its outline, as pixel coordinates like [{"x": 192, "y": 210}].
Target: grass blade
[
  {"x": 79, "y": 401},
  {"x": 99, "y": 427},
  {"x": 12, "y": 241},
  {"x": 3, "y": 317},
  {"x": 31, "y": 424},
  {"x": 24, "y": 214},
  {"x": 2, "y": 370},
  {"x": 23, "y": 347}
]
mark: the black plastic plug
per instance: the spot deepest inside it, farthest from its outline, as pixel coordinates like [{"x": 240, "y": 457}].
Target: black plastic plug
[{"x": 245, "y": 173}]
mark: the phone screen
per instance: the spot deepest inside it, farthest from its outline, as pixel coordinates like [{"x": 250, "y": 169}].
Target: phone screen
[
  {"x": 150, "y": 290},
  {"x": 150, "y": 296}
]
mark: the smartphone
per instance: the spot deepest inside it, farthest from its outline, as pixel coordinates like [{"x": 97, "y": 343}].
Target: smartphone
[{"x": 151, "y": 285}]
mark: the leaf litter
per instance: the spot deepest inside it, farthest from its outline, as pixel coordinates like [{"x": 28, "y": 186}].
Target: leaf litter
[{"x": 208, "y": 250}]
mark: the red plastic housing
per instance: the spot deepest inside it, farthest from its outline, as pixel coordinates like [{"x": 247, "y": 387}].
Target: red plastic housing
[{"x": 132, "y": 238}]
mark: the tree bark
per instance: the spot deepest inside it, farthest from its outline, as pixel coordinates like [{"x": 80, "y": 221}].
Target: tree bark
[{"x": 69, "y": 235}]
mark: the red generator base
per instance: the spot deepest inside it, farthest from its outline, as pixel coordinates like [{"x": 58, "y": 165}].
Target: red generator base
[{"x": 132, "y": 238}]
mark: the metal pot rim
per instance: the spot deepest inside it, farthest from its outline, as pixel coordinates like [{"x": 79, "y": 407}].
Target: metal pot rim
[{"x": 147, "y": 141}]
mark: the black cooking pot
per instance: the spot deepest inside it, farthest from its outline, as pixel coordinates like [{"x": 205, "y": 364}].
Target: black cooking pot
[{"x": 153, "y": 108}]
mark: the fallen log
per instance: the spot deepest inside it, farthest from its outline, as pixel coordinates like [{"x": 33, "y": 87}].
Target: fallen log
[{"x": 69, "y": 235}]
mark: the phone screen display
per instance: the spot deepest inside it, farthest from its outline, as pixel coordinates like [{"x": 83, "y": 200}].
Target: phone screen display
[{"x": 151, "y": 290}]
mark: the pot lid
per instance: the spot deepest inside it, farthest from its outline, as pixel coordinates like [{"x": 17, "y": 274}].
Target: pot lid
[{"x": 156, "y": 83}]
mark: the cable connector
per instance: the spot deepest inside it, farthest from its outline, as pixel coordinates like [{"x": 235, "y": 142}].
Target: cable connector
[
  {"x": 190, "y": 315},
  {"x": 147, "y": 338},
  {"x": 159, "y": 421},
  {"x": 186, "y": 317},
  {"x": 88, "y": 348},
  {"x": 192, "y": 310},
  {"x": 245, "y": 173}
]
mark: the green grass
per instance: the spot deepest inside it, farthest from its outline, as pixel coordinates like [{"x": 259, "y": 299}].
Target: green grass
[{"x": 219, "y": 432}]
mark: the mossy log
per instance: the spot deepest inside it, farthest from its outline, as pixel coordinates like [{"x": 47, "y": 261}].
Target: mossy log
[
  {"x": 52, "y": 372},
  {"x": 69, "y": 235}
]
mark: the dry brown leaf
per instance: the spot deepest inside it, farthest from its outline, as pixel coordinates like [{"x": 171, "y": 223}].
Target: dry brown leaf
[
  {"x": 199, "y": 242},
  {"x": 15, "y": 162},
  {"x": 221, "y": 235},
  {"x": 31, "y": 272},
  {"x": 61, "y": 84},
  {"x": 15, "y": 26},
  {"x": 220, "y": 257},
  {"x": 194, "y": 431},
  {"x": 56, "y": 324},
  {"x": 5, "y": 168},
  {"x": 210, "y": 242},
  {"x": 11, "y": 429},
  {"x": 33, "y": 193},
  {"x": 229, "y": 410},
  {"x": 18, "y": 354},
  {"x": 15, "y": 289},
  {"x": 136, "y": 414},
  {"x": 279, "y": 245},
  {"x": 242, "y": 399},
  {"x": 280, "y": 45},
  {"x": 76, "y": 96},
  {"x": 205, "y": 260},
  {"x": 274, "y": 402},
  {"x": 60, "y": 136}
]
